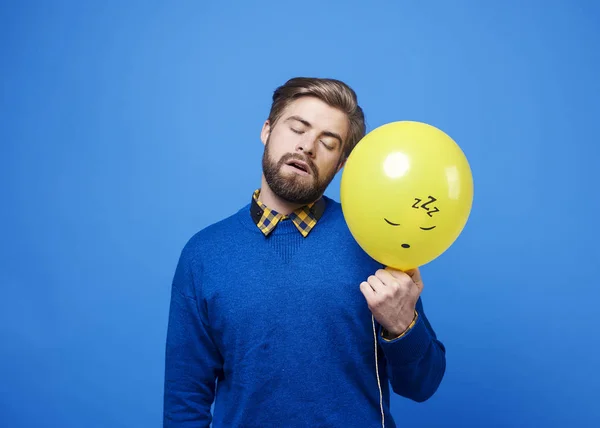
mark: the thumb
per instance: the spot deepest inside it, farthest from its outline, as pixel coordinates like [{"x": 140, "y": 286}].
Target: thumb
[{"x": 415, "y": 275}]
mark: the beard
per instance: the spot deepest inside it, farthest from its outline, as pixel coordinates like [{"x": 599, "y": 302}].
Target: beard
[{"x": 294, "y": 188}]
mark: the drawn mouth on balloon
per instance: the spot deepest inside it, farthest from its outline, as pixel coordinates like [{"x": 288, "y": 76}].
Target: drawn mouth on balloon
[{"x": 405, "y": 245}]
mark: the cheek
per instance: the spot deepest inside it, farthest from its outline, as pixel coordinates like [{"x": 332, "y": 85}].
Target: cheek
[
  {"x": 329, "y": 164},
  {"x": 275, "y": 147},
  {"x": 283, "y": 142}
]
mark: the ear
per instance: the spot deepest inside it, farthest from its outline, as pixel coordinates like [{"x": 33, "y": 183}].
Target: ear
[
  {"x": 264, "y": 133},
  {"x": 341, "y": 165}
]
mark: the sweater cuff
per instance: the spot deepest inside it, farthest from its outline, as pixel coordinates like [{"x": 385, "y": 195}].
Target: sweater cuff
[{"x": 409, "y": 347}]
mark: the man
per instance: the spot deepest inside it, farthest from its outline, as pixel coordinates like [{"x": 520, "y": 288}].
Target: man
[{"x": 277, "y": 316}]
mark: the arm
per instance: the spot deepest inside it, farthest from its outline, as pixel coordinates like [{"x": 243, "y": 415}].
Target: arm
[
  {"x": 416, "y": 361},
  {"x": 192, "y": 360}
]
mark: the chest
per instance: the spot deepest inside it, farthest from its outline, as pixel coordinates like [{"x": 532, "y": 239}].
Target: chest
[{"x": 311, "y": 298}]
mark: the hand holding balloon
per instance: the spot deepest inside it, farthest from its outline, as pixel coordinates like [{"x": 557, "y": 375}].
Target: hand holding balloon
[
  {"x": 392, "y": 296},
  {"x": 406, "y": 194}
]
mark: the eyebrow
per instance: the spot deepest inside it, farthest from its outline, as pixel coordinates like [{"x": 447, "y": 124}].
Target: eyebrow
[{"x": 307, "y": 124}]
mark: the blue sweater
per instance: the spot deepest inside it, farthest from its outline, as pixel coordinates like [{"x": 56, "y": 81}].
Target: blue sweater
[{"x": 276, "y": 332}]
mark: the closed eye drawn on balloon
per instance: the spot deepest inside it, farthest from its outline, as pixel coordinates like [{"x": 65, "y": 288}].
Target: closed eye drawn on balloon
[
  {"x": 398, "y": 224},
  {"x": 425, "y": 206}
]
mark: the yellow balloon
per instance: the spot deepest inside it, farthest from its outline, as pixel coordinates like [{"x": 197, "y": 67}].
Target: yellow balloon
[{"x": 406, "y": 193}]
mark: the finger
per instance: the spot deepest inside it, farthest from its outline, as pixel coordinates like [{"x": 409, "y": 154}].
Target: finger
[
  {"x": 376, "y": 284},
  {"x": 367, "y": 291},
  {"x": 386, "y": 278},
  {"x": 398, "y": 274},
  {"x": 401, "y": 278},
  {"x": 410, "y": 279},
  {"x": 415, "y": 275}
]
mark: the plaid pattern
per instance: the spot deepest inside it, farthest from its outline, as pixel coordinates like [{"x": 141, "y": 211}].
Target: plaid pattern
[{"x": 304, "y": 218}]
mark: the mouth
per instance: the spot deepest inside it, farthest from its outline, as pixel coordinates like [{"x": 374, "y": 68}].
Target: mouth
[{"x": 299, "y": 166}]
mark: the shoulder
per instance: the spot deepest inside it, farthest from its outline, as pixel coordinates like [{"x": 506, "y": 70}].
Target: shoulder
[
  {"x": 333, "y": 207},
  {"x": 338, "y": 234},
  {"x": 216, "y": 234},
  {"x": 334, "y": 213},
  {"x": 334, "y": 222}
]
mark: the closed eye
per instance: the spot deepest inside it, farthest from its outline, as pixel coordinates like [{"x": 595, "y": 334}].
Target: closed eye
[
  {"x": 327, "y": 146},
  {"x": 428, "y": 228},
  {"x": 393, "y": 224}
]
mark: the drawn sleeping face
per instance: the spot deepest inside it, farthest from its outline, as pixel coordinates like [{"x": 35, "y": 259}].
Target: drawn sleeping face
[
  {"x": 406, "y": 193},
  {"x": 425, "y": 204}
]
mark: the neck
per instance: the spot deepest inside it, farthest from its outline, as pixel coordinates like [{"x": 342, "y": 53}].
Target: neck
[{"x": 273, "y": 201}]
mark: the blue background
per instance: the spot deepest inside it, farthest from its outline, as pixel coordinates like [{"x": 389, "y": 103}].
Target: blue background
[{"x": 125, "y": 127}]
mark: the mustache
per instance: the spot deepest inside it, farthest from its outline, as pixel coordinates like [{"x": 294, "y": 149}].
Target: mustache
[{"x": 289, "y": 156}]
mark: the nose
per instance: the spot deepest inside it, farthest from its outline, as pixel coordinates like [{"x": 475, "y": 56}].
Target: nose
[
  {"x": 306, "y": 146},
  {"x": 405, "y": 246}
]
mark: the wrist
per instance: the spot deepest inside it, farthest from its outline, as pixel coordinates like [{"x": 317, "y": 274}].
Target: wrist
[{"x": 395, "y": 333}]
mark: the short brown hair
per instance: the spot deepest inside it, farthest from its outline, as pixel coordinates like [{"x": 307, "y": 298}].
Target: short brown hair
[{"x": 334, "y": 92}]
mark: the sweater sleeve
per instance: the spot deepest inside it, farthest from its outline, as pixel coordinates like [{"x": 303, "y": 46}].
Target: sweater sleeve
[
  {"x": 416, "y": 361},
  {"x": 192, "y": 360}
]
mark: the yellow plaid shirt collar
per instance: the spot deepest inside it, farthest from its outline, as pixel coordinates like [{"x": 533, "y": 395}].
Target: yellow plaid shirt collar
[{"x": 304, "y": 218}]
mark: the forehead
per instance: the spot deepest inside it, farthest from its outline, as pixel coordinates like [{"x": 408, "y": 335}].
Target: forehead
[{"x": 319, "y": 114}]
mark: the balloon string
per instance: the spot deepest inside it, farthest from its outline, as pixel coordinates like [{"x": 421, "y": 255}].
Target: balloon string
[{"x": 377, "y": 372}]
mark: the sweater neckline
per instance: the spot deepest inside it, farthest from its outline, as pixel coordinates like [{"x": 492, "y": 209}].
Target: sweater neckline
[{"x": 284, "y": 227}]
